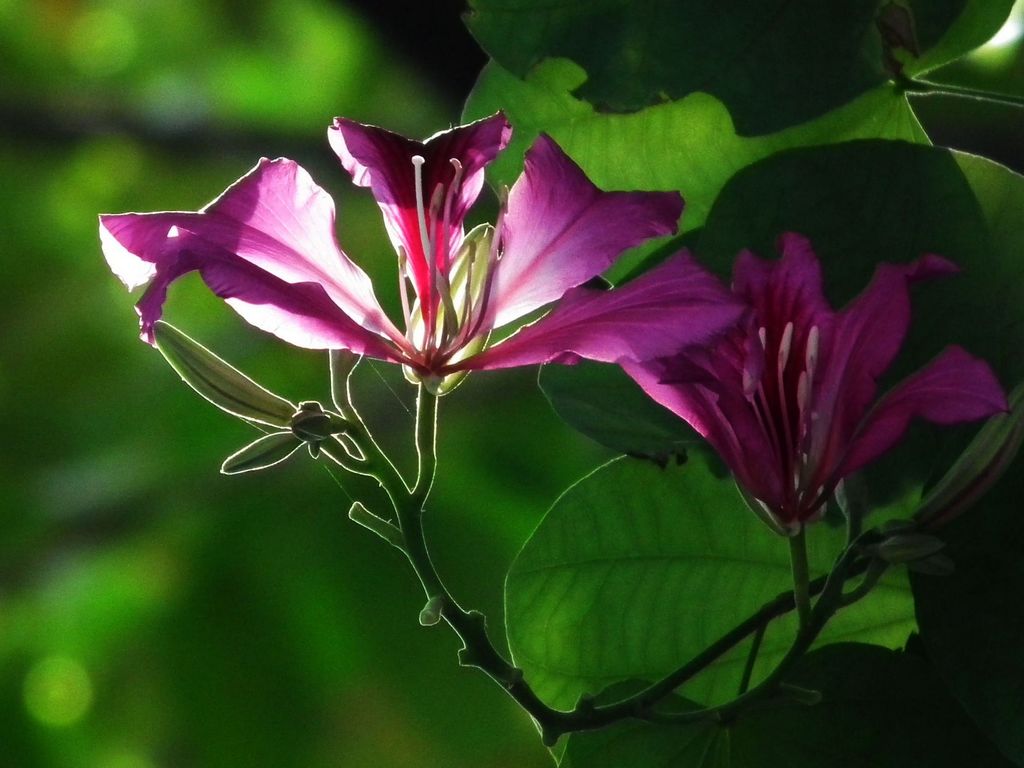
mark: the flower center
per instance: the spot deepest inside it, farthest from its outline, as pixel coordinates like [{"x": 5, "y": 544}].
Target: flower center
[
  {"x": 433, "y": 321},
  {"x": 781, "y": 401},
  {"x": 450, "y": 315}
]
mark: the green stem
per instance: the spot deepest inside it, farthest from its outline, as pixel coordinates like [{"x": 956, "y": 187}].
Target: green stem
[
  {"x": 478, "y": 650},
  {"x": 798, "y": 561},
  {"x": 828, "y": 603},
  {"x": 748, "y": 668},
  {"x": 927, "y": 88},
  {"x": 876, "y": 568},
  {"x": 470, "y": 626}
]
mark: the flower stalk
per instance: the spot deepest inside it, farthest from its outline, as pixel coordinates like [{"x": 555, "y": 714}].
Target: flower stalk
[
  {"x": 798, "y": 562},
  {"x": 406, "y": 532}
]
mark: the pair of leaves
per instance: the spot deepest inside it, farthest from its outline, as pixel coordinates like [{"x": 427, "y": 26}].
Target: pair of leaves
[{"x": 773, "y": 63}]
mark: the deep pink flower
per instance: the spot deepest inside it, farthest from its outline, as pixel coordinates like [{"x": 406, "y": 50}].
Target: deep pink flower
[
  {"x": 788, "y": 397},
  {"x": 267, "y": 246}
]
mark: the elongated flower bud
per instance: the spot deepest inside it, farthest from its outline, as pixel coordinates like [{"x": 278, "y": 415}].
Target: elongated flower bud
[
  {"x": 222, "y": 384},
  {"x": 907, "y": 547},
  {"x": 262, "y": 453},
  {"x": 983, "y": 462}
]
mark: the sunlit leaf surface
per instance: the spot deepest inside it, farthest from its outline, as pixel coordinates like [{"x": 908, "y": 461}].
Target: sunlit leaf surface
[{"x": 636, "y": 569}]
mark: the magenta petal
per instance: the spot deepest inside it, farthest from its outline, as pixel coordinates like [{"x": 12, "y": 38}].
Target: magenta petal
[
  {"x": 675, "y": 305},
  {"x": 787, "y": 290},
  {"x": 866, "y": 336},
  {"x": 382, "y": 161},
  {"x": 954, "y": 388},
  {"x": 686, "y": 387},
  {"x": 560, "y": 230},
  {"x": 267, "y": 245}
]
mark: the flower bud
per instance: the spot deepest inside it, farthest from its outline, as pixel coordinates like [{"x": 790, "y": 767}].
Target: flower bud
[
  {"x": 906, "y": 547},
  {"x": 983, "y": 462},
  {"x": 311, "y": 424},
  {"x": 939, "y": 564},
  {"x": 262, "y": 453},
  {"x": 223, "y": 385}
]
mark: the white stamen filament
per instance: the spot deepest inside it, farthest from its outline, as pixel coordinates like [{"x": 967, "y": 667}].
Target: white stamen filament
[
  {"x": 403, "y": 268},
  {"x": 805, "y": 415},
  {"x": 451, "y": 320},
  {"x": 467, "y": 296},
  {"x": 421, "y": 214},
  {"x": 448, "y": 198},
  {"x": 471, "y": 324},
  {"x": 440, "y": 289},
  {"x": 426, "y": 302},
  {"x": 803, "y": 394},
  {"x": 785, "y": 344},
  {"x": 811, "y": 356}
]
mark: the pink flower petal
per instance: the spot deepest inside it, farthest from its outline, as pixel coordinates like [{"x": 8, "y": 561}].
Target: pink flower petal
[
  {"x": 267, "y": 245},
  {"x": 786, "y": 290},
  {"x": 686, "y": 385},
  {"x": 560, "y": 231},
  {"x": 865, "y": 338},
  {"x": 955, "y": 387},
  {"x": 382, "y": 161},
  {"x": 672, "y": 306}
]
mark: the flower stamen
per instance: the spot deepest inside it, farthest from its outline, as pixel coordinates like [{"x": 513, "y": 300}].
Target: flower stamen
[
  {"x": 473, "y": 321},
  {"x": 426, "y": 302},
  {"x": 403, "y": 269}
]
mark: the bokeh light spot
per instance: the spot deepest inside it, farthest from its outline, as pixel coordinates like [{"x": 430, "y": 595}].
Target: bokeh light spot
[
  {"x": 102, "y": 42},
  {"x": 1008, "y": 34},
  {"x": 125, "y": 759},
  {"x": 1001, "y": 50},
  {"x": 58, "y": 691}
]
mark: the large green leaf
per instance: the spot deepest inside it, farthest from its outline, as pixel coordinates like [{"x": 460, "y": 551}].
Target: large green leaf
[
  {"x": 879, "y": 708},
  {"x": 636, "y": 569},
  {"x": 866, "y": 202},
  {"x": 773, "y": 63},
  {"x": 972, "y": 622},
  {"x": 603, "y": 403},
  {"x": 688, "y": 145}
]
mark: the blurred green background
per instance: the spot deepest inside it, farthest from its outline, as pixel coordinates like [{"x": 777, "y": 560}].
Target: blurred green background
[{"x": 152, "y": 612}]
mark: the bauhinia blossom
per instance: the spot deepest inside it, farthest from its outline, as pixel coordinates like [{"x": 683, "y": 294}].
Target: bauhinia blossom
[
  {"x": 788, "y": 398},
  {"x": 267, "y": 246}
]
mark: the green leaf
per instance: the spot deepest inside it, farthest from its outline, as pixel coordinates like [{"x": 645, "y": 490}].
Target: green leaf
[
  {"x": 688, "y": 145},
  {"x": 879, "y": 708},
  {"x": 865, "y": 202},
  {"x": 976, "y": 24},
  {"x": 773, "y": 63},
  {"x": 972, "y": 620},
  {"x": 603, "y": 403},
  {"x": 635, "y": 569}
]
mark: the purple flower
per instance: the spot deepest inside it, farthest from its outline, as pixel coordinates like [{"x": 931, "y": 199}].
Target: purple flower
[
  {"x": 267, "y": 246},
  {"x": 788, "y": 397}
]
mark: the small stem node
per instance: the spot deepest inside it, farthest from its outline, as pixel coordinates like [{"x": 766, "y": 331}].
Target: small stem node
[{"x": 360, "y": 515}]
